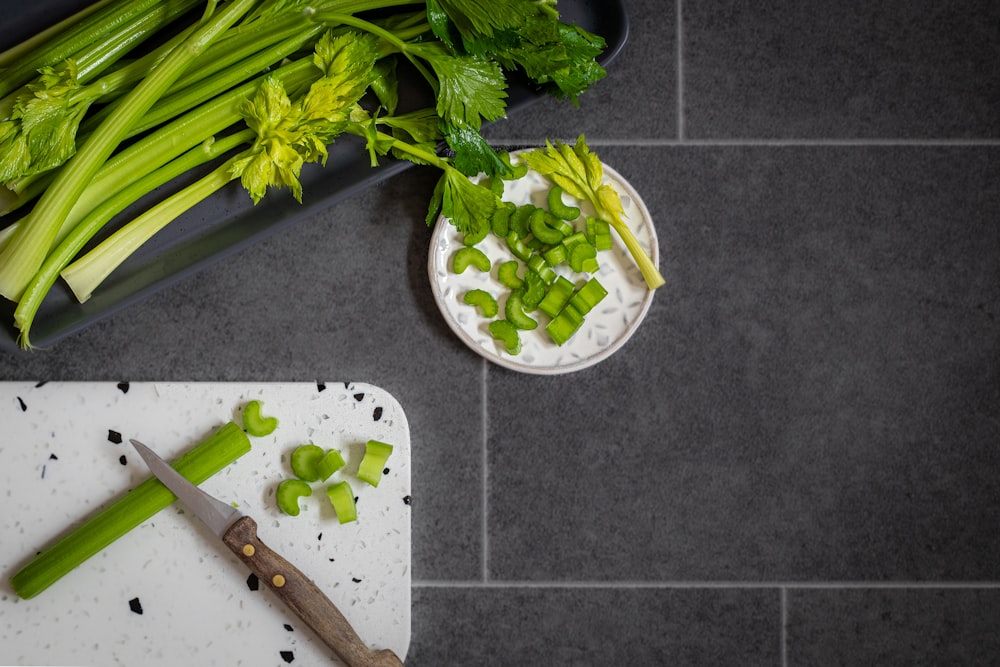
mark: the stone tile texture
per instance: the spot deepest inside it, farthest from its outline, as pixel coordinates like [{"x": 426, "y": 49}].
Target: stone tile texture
[{"x": 793, "y": 462}]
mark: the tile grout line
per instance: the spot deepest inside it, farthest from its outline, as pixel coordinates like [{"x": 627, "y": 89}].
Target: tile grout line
[
  {"x": 722, "y": 585},
  {"x": 784, "y": 626},
  {"x": 485, "y": 473},
  {"x": 679, "y": 36}
]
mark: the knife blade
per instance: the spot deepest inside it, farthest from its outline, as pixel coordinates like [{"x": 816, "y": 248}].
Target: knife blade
[{"x": 239, "y": 532}]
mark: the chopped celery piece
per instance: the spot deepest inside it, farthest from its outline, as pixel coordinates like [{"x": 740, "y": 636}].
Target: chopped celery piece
[
  {"x": 482, "y": 300},
  {"x": 564, "y": 325},
  {"x": 342, "y": 498},
  {"x": 469, "y": 256},
  {"x": 507, "y": 275},
  {"x": 541, "y": 229},
  {"x": 514, "y": 311},
  {"x": 506, "y": 333},
  {"x": 500, "y": 221},
  {"x": 373, "y": 462},
  {"x": 255, "y": 423},
  {"x": 472, "y": 238},
  {"x": 583, "y": 258},
  {"x": 288, "y": 494},
  {"x": 519, "y": 219},
  {"x": 519, "y": 170},
  {"x": 588, "y": 296},
  {"x": 331, "y": 462},
  {"x": 557, "y": 297},
  {"x": 227, "y": 444},
  {"x": 305, "y": 459},
  {"x": 534, "y": 290},
  {"x": 517, "y": 246},
  {"x": 558, "y": 207},
  {"x": 599, "y": 233},
  {"x": 555, "y": 255},
  {"x": 539, "y": 265}
]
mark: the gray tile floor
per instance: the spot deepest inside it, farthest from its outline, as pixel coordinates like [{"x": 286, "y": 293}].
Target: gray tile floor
[{"x": 793, "y": 462}]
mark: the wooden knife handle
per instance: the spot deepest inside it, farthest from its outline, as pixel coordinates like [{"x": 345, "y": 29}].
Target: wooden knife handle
[{"x": 303, "y": 597}]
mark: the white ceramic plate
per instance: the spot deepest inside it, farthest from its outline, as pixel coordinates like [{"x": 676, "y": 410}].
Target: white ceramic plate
[{"x": 606, "y": 328}]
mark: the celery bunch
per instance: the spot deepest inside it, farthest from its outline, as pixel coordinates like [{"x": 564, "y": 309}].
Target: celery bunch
[{"x": 98, "y": 115}]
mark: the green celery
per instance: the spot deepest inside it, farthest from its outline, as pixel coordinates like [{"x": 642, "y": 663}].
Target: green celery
[
  {"x": 36, "y": 41},
  {"x": 63, "y": 254},
  {"x": 304, "y": 461},
  {"x": 483, "y": 300},
  {"x": 342, "y": 498},
  {"x": 86, "y": 273},
  {"x": 92, "y": 28},
  {"x": 27, "y": 249},
  {"x": 331, "y": 462},
  {"x": 227, "y": 444},
  {"x": 255, "y": 423},
  {"x": 580, "y": 174},
  {"x": 373, "y": 462},
  {"x": 288, "y": 493}
]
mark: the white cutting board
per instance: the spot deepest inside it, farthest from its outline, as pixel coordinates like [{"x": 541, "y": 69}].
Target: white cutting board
[{"x": 59, "y": 463}]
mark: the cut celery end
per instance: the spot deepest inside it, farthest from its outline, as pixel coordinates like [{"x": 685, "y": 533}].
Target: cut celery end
[
  {"x": 373, "y": 462},
  {"x": 341, "y": 496}
]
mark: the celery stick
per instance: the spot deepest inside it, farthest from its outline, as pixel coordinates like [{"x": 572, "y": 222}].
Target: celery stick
[
  {"x": 93, "y": 28},
  {"x": 86, "y": 273},
  {"x": 27, "y": 249},
  {"x": 227, "y": 444},
  {"x": 36, "y": 41},
  {"x": 34, "y": 294}
]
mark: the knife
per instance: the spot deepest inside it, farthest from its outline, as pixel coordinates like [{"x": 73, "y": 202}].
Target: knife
[{"x": 239, "y": 532}]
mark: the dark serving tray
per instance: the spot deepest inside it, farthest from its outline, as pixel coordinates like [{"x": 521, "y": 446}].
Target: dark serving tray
[{"x": 228, "y": 221}]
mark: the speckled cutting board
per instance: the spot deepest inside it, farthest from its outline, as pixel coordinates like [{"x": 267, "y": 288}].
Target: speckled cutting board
[{"x": 169, "y": 592}]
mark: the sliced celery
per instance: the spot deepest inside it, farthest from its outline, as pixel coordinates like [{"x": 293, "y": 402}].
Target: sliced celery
[
  {"x": 373, "y": 462},
  {"x": 342, "y": 498},
  {"x": 288, "y": 494},
  {"x": 305, "y": 461},
  {"x": 255, "y": 423}
]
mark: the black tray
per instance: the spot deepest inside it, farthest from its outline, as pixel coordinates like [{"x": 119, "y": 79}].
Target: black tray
[{"x": 228, "y": 222}]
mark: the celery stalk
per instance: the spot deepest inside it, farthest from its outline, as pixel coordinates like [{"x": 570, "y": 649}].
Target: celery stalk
[
  {"x": 92, "y": 28},
  {"x": 86, "y": 273},
  {"x": 26, "y": 250},
  {"x": 227, "y": 444},
  {"x": 35, "y": 42},
  {"x": 34, "y": 294}
]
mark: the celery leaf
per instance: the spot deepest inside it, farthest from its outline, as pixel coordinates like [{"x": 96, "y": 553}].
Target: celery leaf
[
  {"x": 469, "y": 206},
  {"x": 471, "y": 89}
]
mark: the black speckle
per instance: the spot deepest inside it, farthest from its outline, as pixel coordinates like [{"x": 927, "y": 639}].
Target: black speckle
[
  {"x": 320, "y": 536},
  {"x": 332, "y": 559},
  {"x": 123, "y": 386},
  {"x": 287, "y": 656},
  {"x": 253, "y": 583},
  {"x": 115, "y": 437},
  {"x": 53, "y": 457},
  {"x": 320, "y": 386},
  {"x": 288, "y": 627},
  {"x": 359, "y": 397},
  {"x": 377, "y": 413},
  {"x": 122, "y": 460},
  {"x": 41, "y": 384},
  {"x": 135, "y": 606},
  {"x": 385, "y": 471},
  {"x": 20, "y": 401},
  {"x": 355, "y": 580},
  {"x": 406, "y": 500},
  {"x": 43, "y": 471}
]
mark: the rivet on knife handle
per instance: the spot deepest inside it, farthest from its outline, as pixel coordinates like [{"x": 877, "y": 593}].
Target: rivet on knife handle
[{"x": 303, "y": 597}]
